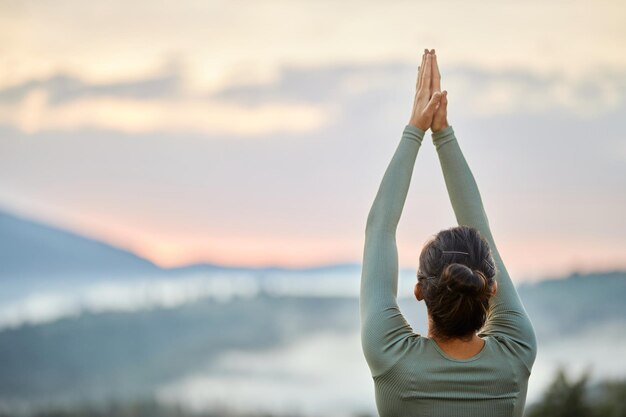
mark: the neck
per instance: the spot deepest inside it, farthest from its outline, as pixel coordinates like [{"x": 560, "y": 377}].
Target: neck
[
  {"x": 454, "y": 341},
  {"x": 458, "y": 348}
]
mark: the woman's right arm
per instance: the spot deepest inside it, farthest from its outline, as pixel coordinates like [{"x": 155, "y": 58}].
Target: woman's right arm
[{"x": 507, "y": 316}]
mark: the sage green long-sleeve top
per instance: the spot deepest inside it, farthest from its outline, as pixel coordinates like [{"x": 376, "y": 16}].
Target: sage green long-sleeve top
[{"x": 412, "y": 375}]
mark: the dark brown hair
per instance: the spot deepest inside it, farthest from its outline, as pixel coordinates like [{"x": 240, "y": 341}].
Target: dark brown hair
[{"x": 456, "y": 286}]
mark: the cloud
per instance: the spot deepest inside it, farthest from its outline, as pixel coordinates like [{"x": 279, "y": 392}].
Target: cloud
[
  {"x": 158, "y": 103},
  {"x": 36, "y": 113},
  {"x": 118, "y": 38},
  {"x": 482, "y": 92},
  {"x": 299, "y": 99},
  {"x": 63, "y": 88}
]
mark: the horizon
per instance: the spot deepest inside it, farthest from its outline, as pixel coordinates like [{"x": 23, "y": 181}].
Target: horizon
[{"x": 285, "y": 268}]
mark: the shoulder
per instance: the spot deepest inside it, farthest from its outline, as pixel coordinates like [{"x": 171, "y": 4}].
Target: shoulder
[
  {"x": 516, "y": 353},
  {"x": 402, "y": 352}
]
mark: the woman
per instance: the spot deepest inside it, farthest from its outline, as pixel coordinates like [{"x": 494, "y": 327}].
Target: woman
[{"x": 481, "y": 346}]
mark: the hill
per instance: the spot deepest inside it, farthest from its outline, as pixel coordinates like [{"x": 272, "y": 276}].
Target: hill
[{"x": 30, "y": 249}]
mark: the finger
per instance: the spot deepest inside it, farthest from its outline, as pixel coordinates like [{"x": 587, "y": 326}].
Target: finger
[
  {"x": 441, "y": 108},
  {"x": 420, "y": 71},
  {"x": 436, "y": 75},
  {"x": 432, "y": 104},
  {"x": 426, "y": 80},
  {"x": 423, "y": 69},
  {"x": 424, "y": 60}
]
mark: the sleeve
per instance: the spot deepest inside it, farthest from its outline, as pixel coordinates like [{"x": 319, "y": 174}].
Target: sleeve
[
  {"x": 507, "y": 316},
  {"x": 383, "y": 328}
]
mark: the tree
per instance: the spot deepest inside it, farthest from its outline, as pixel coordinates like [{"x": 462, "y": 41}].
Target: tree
[{"x": 564, "y": 398}]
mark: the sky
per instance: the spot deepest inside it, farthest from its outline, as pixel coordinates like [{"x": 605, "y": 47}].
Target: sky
[{"x": 257, "y": 133}]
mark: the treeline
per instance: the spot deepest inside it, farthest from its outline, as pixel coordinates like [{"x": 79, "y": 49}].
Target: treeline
[
  {"x": 567, "y": 397},
  {"x": 564, "y": 397},
  {"x": 146, "y": 407}
]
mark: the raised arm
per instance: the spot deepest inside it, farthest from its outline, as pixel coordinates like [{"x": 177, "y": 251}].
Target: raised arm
[
  {"x": 382, "y": 323},
  {"x": 383, "y": 328},
  {"x": 507, "y": 316}
]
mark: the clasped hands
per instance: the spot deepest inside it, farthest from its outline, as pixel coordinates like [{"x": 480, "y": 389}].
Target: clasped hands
[{"x": 430, "y": 106}]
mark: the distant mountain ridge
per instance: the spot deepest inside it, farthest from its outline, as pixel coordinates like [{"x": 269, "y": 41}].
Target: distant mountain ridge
[
  {"x": 30, "y": 248},
  {"x": 575, "y": 303}
]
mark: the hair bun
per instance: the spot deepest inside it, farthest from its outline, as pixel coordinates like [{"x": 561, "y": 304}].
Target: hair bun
[{"x": 462, "y": 279}]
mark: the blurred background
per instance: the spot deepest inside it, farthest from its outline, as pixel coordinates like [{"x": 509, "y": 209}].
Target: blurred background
[{"x": 184, "y": 188}]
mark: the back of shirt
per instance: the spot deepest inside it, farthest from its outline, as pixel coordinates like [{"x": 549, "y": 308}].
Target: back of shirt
[{"x": 427, "y": 382}]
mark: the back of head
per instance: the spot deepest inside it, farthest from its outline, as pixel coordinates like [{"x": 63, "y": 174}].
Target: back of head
[{"x": 457, "y": 275}]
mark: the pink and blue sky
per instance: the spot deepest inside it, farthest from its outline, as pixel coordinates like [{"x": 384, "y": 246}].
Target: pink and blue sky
[{"x": 257, "y": 133}]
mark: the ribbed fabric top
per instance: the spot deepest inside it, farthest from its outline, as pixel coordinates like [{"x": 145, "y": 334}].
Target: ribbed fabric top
[{"x": 412, "y": 375}]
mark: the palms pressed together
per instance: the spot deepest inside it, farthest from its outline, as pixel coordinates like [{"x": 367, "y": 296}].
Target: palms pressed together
[{"x": 430, "y": 106}]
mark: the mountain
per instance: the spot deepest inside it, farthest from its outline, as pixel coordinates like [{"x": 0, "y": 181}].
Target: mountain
[
  {"x": 30, "y": 249},
  {"x": 339, "y": 268},
  {"x": 576, "y": 303}
]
